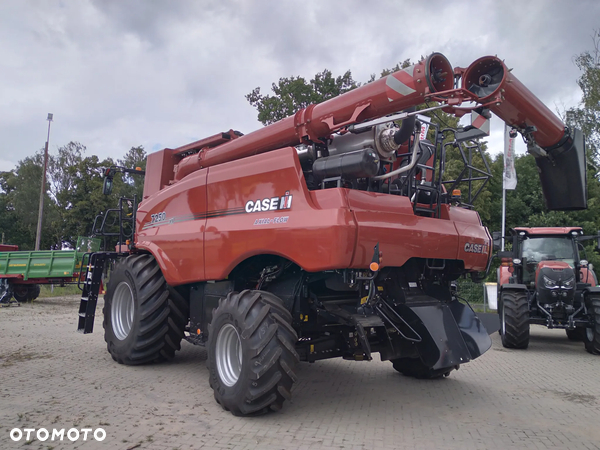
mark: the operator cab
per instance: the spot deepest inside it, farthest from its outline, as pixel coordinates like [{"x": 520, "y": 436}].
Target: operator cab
[{"x": 535, "y": 249}]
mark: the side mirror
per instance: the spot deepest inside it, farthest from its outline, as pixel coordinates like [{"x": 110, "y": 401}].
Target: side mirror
[
  {"x": 108, "y": 184},
  {"x": 505, "y": 254},
  {"x": 497, "y": 240},
  {"x": 598, "y": 246}
]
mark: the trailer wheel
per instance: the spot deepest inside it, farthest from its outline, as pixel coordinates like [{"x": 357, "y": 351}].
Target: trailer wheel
[
  {"x": 514, "y": 320},
  {"x": 33, "y": 292},
  {"x": 144, "y": 319},
  {"x": 251, "y": 355},
  {"x": 21, "y": 293},
  {"x": 591, "y": 338},
  {"x": 576, "y": 334},
  {"x": 414, "y": 367}
]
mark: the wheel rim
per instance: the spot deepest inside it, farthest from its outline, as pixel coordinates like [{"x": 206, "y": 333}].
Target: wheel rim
[
  {"x": 122, "y": 311},
  {"x": 589, "y": 332},
  {"x": 228, "y": 354}
]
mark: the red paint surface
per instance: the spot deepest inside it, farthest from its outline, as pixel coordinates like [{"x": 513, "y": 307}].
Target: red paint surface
[{"x": 325, "y": 229}]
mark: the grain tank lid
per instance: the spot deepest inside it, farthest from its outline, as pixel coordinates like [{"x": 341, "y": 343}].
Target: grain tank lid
[{"x": 211, "y": 141}]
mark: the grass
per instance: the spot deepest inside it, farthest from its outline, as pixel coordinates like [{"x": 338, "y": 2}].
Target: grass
[{"x": 47, "y": 290}]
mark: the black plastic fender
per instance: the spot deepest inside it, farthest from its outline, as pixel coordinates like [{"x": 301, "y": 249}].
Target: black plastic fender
[
  {"x": 514, "y": 287},
  {"x": 506, "y": 287},
  {"x": 451, "y": 333},
  {"x": 592, "y": 290}
]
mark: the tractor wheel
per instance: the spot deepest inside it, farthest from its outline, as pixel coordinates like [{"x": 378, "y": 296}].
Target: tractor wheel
[
  {"x": 144, "y": 319},
  {"x": 514, "y": 320},
  {"x": 414, "y": 367},
  {"x": 591, "y": 338},
  {"x": 576, "y": 334},
  {"x": 251, "y": 355},
  {"x": 20, "y": 293}
]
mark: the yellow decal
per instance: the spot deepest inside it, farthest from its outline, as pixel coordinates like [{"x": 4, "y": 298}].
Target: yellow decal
[{"x": 364, "y": 300}]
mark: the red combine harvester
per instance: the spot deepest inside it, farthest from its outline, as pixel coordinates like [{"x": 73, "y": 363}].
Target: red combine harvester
[{"x": 331, "y": 233}]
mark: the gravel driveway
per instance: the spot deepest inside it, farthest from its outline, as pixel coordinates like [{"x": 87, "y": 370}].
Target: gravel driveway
[{"x": 55, "y": 378}]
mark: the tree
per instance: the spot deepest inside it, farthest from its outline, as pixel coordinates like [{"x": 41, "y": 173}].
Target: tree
[
  {"x": 10, "y": 230},
  {"x": 587, "y": 116},
  {"x": 133, "y": 184},
  {"x": 21, "y": 203},
  {"x": 63, "y": 174},
  {"x": 294, "y": 93}
]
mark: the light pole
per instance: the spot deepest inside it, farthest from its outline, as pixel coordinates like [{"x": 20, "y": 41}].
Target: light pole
[{"x": 38, "y": 235}]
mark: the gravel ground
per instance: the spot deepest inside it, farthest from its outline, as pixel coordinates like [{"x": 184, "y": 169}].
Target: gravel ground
[{"x": 55, "y": 378}]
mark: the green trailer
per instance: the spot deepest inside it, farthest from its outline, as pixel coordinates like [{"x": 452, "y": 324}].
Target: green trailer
[{"x": 21, "y": 272}]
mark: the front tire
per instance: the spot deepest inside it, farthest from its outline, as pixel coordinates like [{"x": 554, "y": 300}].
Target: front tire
[
  {"x": 591, "y": 337},
  {"x": 144, "y": 319},
  {"x": 514, "y": 320},
  {"x": 576, "y": 334},
  {"x": 251, "y": 355}
]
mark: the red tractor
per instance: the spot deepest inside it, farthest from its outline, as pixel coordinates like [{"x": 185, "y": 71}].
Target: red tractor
[
  {"x": 544, "y": 280},
  {"x": 331, "y": 233}
]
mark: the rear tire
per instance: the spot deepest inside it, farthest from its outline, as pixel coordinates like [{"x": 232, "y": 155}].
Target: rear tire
[
  {"x": 144, "y": 319},
  {"x": 514, "y": 320},
  {"x": 576, "y": 335},
  {"x": 414, "y": 367},
  {"x": 591, "y": 338},
  {"x": 251, "y": 355}
]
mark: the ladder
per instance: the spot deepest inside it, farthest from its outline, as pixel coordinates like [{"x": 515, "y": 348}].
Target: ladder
[{"x": 92, "y": 280}]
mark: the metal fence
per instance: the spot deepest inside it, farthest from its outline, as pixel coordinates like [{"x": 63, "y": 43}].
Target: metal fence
[{"x": 473, "y": 293}]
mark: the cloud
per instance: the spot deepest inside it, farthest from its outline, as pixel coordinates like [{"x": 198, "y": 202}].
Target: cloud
[{"x": 118, "y": 74}]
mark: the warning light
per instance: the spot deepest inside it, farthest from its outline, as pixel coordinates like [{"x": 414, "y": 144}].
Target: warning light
[
  {"x": 456, "y": 193},
  {"x": 198, "y": 331},
  {"x": 139, "y": 169},
  {"x": 374, "y": 266}
]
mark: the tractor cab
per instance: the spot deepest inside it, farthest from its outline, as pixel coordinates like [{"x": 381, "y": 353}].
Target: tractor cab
[{"x": 553, "y": 258}]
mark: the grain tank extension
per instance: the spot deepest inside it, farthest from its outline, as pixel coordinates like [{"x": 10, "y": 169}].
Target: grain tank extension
[{"x": 331, "y": 233}]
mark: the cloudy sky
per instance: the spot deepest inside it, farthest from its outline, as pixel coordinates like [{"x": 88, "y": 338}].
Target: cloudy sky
[{"x": 123, "y": 73}]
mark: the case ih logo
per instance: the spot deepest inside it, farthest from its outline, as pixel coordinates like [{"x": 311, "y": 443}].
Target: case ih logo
[
  {"x": 270, "y": 204},
  {"x": 476, "y": 248}
]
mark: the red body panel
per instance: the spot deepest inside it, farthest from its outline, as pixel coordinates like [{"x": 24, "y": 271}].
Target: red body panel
[
  {"x": 8, "y": 248},
  {"x": 178, "y": 243},
  {"x": 503, "y": 276},
  {"x": 585, "y": 275},
  {"x": 207, "y": 223}
]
